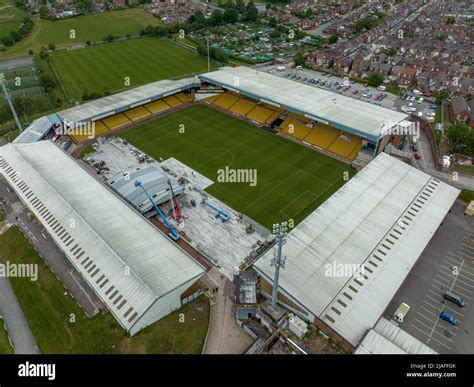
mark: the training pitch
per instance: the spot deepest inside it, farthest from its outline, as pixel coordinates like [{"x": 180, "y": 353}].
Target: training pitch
[
  {"x": 292, "y": 180},
  {"x": 135, "y": 62}
]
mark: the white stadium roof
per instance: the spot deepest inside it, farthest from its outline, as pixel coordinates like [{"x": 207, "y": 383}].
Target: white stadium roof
[
  {"x": 125, "y": 259},
  {"x": 112, "y": 104},
  {"x": 382, "y": 219},
  {"x": 346, "y": 113},
  {"x": 387, "y": 338}
]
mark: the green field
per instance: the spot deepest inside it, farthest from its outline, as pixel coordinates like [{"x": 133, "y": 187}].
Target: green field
[
  {"x": 10, "y": 17},
  {"x": 48, "y": 312},
  {"x": 5, "y": 347},
  {"x": 104, "y": 67},
  {"x": 91, "y": 27},
  {"x": 23, "y": 81},
  {"x": 292, "y": 180}
]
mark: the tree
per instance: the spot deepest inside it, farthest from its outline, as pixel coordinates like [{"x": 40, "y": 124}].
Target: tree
[
  {"x": 230, "y": 15},
  {"x": 299, "y": 59},
  {"x": 216, "y": 18},
  {"x": 460, "y": 139},
  {"x": 375, "y": 79},
  {"x": 251, "y": 12},
  {"x": 333, "y": 39},
  {"x": 43, "y": 12},
  {"x": 272, "y": 22},
  {"x": 51, "y": 46},
  {"x": 240, "y": 6},
  {"x": 391, "y": 51},
  {"x": 109, "y": 38},
  {"x": 47, "y": 82},
  {"x": 442, "y": 95}
]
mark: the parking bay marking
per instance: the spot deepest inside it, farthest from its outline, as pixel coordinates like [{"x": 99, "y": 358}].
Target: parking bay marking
[{"x": 434, "y": 339}]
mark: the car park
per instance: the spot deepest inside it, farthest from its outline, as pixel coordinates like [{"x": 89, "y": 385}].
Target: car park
[
  {"x": 453, "y": 297},
  {"x": 447, "y": 317}
]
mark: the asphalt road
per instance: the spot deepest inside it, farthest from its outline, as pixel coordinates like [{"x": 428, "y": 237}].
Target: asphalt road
[
  {"x": 15, "y": 321},
  {"x": 447, "y": 263}
]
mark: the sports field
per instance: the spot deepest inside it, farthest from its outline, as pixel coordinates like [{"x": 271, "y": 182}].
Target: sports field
[
  {"x": 104, "y": 67},
  {"x": 91, "y": 27},
  {"x": 292, "y": 180}
]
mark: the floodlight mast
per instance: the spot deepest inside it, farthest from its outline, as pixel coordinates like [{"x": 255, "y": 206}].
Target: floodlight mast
[
  {"x": 279, "y": 231},
  {"x": 8, "y": 97}
]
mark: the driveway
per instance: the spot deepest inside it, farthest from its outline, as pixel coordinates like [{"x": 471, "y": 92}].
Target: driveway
[{"x": 224, "y": 336}]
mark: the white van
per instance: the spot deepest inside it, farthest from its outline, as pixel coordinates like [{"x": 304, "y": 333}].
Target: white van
[
  {"x": 417, "y": 92},
  {"x": 401, "y": 312},
  {"x": 281, "y": 68},
  {"x": 381, "y": 88}
]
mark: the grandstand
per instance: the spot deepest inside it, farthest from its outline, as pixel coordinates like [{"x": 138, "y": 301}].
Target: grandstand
[
  {"x": 340, "y": 125},
  {"x": 118, "y": 110}
]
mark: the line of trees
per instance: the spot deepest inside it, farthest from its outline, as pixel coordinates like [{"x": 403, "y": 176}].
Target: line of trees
[{"x": 17, "y": 35}]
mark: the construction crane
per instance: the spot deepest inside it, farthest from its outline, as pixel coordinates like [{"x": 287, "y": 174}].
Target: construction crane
[
  {"x": 219, "y": 213},
  {"x": 172, "y": 234},
  {"x": 175, "y": 205}
]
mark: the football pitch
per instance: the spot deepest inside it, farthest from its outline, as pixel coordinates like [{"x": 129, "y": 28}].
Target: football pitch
[
  {"x": 292, "y": 180},
  {"x": 108, "y": 67}
]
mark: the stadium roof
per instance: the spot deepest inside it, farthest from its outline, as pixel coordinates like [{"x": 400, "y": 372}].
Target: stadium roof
[
  {"x": 112, "y": 104},
  {"x": 388, "y": 338},
  {"x": 346, "y": 113},
  {"x": 37, "y": 129},
  {"x": 380, "y": 221},
  {"x": 125, "y": 259}
]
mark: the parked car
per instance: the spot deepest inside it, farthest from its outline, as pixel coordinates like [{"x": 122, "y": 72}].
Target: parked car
[
  {"x": 420, "y": 100},
  {"x": 447, "y": 317},
  {"x": 433, "y": 106},
  {"x": 355, "y": 92},
  {"x": 453, "y": 297}
]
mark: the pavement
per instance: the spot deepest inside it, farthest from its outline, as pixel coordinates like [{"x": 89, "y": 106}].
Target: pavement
[
  {"x": 224, "y": 336},
  {"x": 16, "y": 62},
  {"x": 447, "y": 263},
  {"x": 15, "y": 321}
]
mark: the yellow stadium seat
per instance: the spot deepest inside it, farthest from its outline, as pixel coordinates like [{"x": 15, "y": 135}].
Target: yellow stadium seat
[
  {"x": 98, "y": 129},
  {"x": 242, "y": 106},
  {"x": 342, "y": 147},
  {"x": 272, "y": 118},
  {"x": 296, "y": 129},
  {"x": 183, "y": 97},
  {"x": 226, "y": 100},
  {"x": 212, "y": 99},
  {"x": 355, "y": 152},
  {"x": 157, "y": 106},
  {"x": 116, "y": 121},
  {"x": 321, "y": 137},
  {"x": 137, "y": 113},
  {"x": 172, "y": 101},
  {"x": 259, "y": 114}
]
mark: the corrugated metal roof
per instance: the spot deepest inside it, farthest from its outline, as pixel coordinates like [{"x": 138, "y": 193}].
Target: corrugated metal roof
[
  {"x": 112, "y": 104},
  {"x": 379, "y": 222},
  {"x": 127, "y": 261},
  {"x": 346, "y": 113},
  {"x": 37, "y": 129}
]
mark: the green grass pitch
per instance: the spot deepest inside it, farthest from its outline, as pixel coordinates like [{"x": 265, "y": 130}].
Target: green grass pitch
[
  {"x": 104, "y": 67},
  {"x": 292, "y": 180}
]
